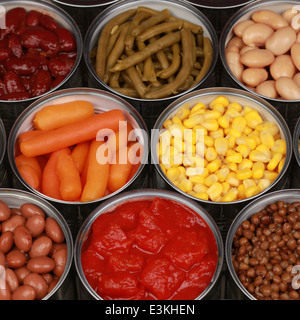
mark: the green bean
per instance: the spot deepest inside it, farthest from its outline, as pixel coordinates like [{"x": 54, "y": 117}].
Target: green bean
[
  {"x": 161, "y": 56},
  {"x": 187, "y": 84},
  {"x": 137, "y": 82},
  {"x": 130, "y": 92},
  {"x": 174, "y": 67},
  {"x": 159, "y": 29},
  {"x": 171, "y": 88},
  {"x": 114, "y": 80},
  {"x": 148, "y": 72},
  {"x": 150, "y": 49},
  {"x": 112, "y": 41},
  {"x": 104, "y": 39}
]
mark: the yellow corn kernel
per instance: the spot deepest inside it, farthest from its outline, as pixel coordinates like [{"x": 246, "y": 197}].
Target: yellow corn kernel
[
  {"x": 214, "y": 165},
  {"x": 178, "y": 144},
  {"x": 182, "y": 174},
  {"x": 208, "y": 141},
  {"x": 185, "y": 185},
  {"x": 214, "y": 191},
  {"x": 195, "y": 171},
  {"x": 263, "y": 184},
  {"x": 226, "y": 187},
  {"x": 247, "y": 130},
  {"x": 241, "y": 191},
  {"x": 244, "y": 150},
  {"x": 236, "y": 106},
  {"x": 202, "y": 195},
  {"x": 217, "y": 134},
  {"x": 175, "y": 119},
  {"x": 197, "y": 107},
  {"x": 193, "y": 121},
  {"x": 200, "y": 111},
  {"x": 200, "y": 132},
  {"x": 232, "y": 113},
  {"x": 173, "y": 174},
  {"x": 212, "y": 114},
  {"x": 275, "y": 161},
  {"x": 234, "y": 133},
  {"x": 199, "y": 188},
  {"x": 248, "y": 141},
  {"x": 211, "y": 154},
  {"x": 222, "y": 174},
  {"x": 281, "y": 164},
  {"x": 255, "y": 137},
  {"x": 264, "y": 149},
  {"x": 231, "y": 142},
  {"x": 239, "y": 123},
  {"x": 245, "y": 164},
  {"x": 231, "y": 195},
  {"x": 219, "y": 107},
  {"x": 258, "y": 170},
  {"x": 221, "y": 99},
  {"x": 279, "y": 146},
  {"x": 270, "y": 175},
  {"x": 210, "y": 180},
  {"x": 163, "y": 168},
  {"x": 267, "y": 139},
  {"x": 221, "y": 146},
  {"x": 268, "y": 126},
  {"x": 249, "y": 183},
  {"x": 253, "y": 119},
  {"x": 183, "y": 113},
  {"x": 244, "y": 174},
  {"x": 177, "y": 130},
  {"x": 256, "y": 155},
  {"x": 189, "y": 148},
  {"x": 167, "y": 124},
  {"x": 210, "y": 124},
  {"x": 252, "y": 191},
  {"x": 233, "y": 180},
  {"x": 190, "y": 137},
  {"x": 247, "y": 109},
  {"x": 233, "y": 156},
  {"x": 224, "y": 121}
]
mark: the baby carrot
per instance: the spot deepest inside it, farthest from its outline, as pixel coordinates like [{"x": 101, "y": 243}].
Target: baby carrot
[
  {"x": 79, "y": 154},
  {"x": 58, "y": 115},
  {"x": 96, "y": 175},
  {"x": 30, "y": 176},
  {"x": 72, "y": 134},
  {"x": 21, "y": 160},
  {"x": 27, "y": 135},
  {"x": 69, "y": 178},
  {"x": 120, "y": 169},
  {"x": 50, "y": 179}
]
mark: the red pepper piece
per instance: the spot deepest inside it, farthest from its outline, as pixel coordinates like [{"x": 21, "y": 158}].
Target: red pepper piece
[
  {"x": 118, "y": 262},
  {"x": 15, "y": 18},
  {"x": 22, "y": 66},
  {"x": 66, "y": 40},
  {"x": 57, "y": 81},
  {"x": 2, "y": 88},
  {"x": 60, "y": 66},
  {"x": 48, "y": 22},
  {"x": 162, "y": 278},
  {"x": 4, "y": 54},
  {"x": 13, "y": 82},
  {"x": 41, "y": 38},
  {"x": 186, "y": 250},
  {"x": 41, "y": 83},
  {"x": 121, "y": 285},
  {"x": 33, "y": 18},
  {"x": 15, "y": 44},
  {"x": 16, "y": 96}
]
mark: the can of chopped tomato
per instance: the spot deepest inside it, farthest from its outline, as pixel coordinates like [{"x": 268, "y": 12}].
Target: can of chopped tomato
[
  {"x": 157, "y": 244},
  {"x": 36, "y": 223},
  {"x": 3, "y": 169}
]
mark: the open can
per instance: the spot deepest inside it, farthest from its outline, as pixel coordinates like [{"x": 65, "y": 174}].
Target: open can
[{"x": 3, "y": 169}]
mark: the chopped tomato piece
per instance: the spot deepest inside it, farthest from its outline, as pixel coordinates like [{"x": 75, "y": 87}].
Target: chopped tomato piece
[{"x": 125, "y": 262}]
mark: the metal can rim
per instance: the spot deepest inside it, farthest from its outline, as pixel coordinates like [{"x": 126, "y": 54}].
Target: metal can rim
[
  {"x": 108, "y": 11},
  {"x": 3, "y": 141},
  {"x": 229, "y": 25},
  {"x": 66, "y": 3},
  {"x": 222, "y": 91},
  {"x": 296, "y": 137},
  {"x": 76, "y": 32},
  {"x": 48, "y": 208},
  {"x": 219, "y": 7},
  {"x": 73, "y": 91},
  {"x": 144, "y": 194},
  {"x": 251, "y": 208}
]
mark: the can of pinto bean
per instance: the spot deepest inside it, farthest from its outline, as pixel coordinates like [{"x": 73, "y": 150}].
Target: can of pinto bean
[
  {"x": 171, "y": 224},
  {"x": 262, "y": 247},
  {"x": 3, "y": 170},
  {"x": 47, "y": 235}
]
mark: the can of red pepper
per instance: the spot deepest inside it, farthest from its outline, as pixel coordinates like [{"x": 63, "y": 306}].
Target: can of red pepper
[
  {"x": 163, "y": 229},
  {"x": 42, "y": 49},
  {"x": 3, "y": 169},
  {"x": 63, "y": 284}
]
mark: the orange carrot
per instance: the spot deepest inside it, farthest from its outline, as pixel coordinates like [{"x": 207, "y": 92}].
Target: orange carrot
[
  {"x": 69, "y": 178},
  {"x": 21, "y": 160},
  {"x": 119, "y": 170},
  {"x": 79, "y": 154},
  {"x": 96, "y": 175},
  {"x": 72, "y": 134},
  {"x": 50, "y": 179},
  {"x": 30, "y": 176},
  {"x": 58, "y": 115},
  {"x": 27, "y": 135}
]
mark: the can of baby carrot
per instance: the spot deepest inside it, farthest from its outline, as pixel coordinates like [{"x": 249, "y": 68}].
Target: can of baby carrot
[
  {"x": 156, "y": 230},
  {"x": 101, "y": 134},
  {"x": 3, "y": 169},
  {"x": 153, "y": 78}
]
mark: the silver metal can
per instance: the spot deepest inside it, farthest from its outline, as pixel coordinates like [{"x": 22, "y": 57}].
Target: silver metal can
[
  {"x": 65, "y": 288},
  {"x": 102, "y": 101},
  {"x": 287, "y": 108},
  {"x": 85, "y": 3},
  {"x": 86, "y": 292},
  {"x": 3, "y": 169},
  {"x": 287, "y": 195},
  {"x": 205, "y": 96},
  {"x": 296, "y": 149},
  {"x": 218, "y": 4}
]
